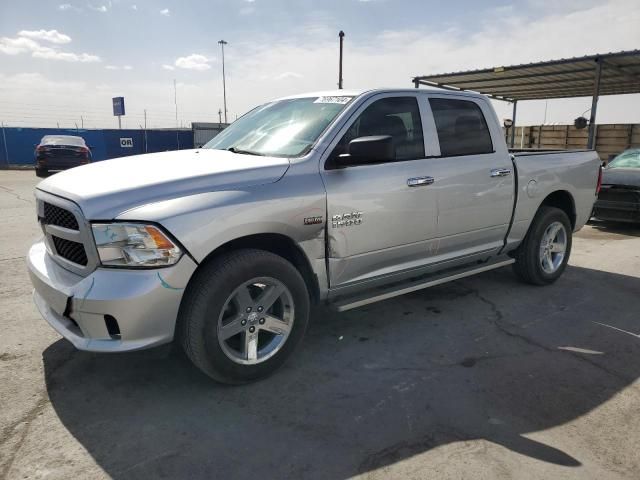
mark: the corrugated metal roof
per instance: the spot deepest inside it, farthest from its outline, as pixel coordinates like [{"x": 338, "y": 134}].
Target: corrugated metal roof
[{"x": 567, "y": 77}]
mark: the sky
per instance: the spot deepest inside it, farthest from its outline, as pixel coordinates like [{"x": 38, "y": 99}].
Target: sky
[{"x": 62, "y": 61}]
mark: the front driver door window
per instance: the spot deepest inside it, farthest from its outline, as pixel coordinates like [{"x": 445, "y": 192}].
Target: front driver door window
[{"x": 398, "y": 117}]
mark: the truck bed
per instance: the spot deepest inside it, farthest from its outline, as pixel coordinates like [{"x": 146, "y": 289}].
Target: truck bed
[
  {"x": 521, "y": 152},
  {"x": 541, "y": 172}
]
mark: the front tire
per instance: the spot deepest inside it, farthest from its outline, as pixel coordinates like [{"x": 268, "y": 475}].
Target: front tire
[
  {"x": 42, "y": 172},
  {"x": 543, "y": 255},
  {"x": 243, "y": 315}
]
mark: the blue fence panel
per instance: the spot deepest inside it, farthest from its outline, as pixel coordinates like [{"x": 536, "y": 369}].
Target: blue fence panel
[{"x": 18, "y": 149}]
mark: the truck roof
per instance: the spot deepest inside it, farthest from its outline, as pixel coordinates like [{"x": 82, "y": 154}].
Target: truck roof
[{"x": 358, "y": 92}]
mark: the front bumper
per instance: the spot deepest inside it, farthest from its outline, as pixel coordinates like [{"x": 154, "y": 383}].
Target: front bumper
[{"x": 143, "y": 302}]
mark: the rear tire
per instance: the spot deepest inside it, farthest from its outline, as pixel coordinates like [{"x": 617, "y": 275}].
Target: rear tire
[
  {"x": 223, "y": 326},
  {"x": 543, "y": 255},
  {"x": 42, "y": 172}
]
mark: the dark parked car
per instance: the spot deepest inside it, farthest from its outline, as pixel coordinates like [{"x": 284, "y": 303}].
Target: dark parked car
[
  {"x": 60, "y": 152},
  {"x": 619, "y": 197}
]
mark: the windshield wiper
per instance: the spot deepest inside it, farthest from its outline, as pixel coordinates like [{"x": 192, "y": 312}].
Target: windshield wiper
[{"x": 244, "y": 152}]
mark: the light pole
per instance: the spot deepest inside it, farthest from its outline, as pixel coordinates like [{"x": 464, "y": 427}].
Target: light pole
[
  {"x": 224, "y": 85},
  {"x": 341, "y": 35}
]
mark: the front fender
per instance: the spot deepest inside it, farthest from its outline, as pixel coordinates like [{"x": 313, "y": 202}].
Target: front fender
[{"x": 204, "y": 222}]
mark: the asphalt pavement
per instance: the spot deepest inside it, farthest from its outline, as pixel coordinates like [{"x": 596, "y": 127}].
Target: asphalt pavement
[{"x": 483, "y": 378}]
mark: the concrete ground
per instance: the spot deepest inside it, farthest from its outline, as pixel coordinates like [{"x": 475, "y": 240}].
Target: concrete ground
[{"x": 484, "y": 378}]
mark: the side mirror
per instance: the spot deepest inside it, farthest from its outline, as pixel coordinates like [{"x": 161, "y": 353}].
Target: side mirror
[{"x": 374, "y": 149}]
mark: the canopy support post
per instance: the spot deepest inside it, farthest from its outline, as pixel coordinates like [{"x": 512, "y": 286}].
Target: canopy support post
[
  {"x": 591, "y": 143},
  {"x": 513, "y": 124}
]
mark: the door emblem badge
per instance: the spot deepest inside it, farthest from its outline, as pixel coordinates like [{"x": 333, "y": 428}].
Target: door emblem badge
[
  {"x": 313, "y": 220},
  {"x": 350, "y": 219}
]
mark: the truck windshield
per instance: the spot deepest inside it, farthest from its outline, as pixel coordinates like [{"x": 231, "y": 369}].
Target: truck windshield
[{"x": 286, "y": 128}]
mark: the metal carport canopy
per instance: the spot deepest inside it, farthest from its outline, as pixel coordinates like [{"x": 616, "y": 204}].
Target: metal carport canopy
[{"x": 592, "y": 75}]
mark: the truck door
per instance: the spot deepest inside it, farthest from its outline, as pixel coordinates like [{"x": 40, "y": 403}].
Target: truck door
[
  {"x": 381, "y": 217},
  {"x": 475, "y": 183}
]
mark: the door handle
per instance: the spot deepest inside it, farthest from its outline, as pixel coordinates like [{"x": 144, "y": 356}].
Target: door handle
[
  {"x": 500, "y": 172},
  {"x": 420, "y": 181}
]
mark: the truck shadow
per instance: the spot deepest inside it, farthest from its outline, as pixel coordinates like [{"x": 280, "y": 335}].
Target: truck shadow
[{"x": 483, "y": 358}]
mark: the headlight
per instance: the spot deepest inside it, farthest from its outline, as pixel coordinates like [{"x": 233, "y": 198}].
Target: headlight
[{"x": 134, "y": 245}]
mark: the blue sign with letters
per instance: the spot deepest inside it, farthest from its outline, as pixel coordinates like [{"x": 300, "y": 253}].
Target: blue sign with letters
[{"x": 118, "y": 106}]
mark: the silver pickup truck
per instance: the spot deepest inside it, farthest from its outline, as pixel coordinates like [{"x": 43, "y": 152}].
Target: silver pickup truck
[{"x": 342, "y": 198}]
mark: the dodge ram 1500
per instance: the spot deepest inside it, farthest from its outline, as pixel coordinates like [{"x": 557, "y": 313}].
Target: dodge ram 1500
[{"x": 343, "y": 198}]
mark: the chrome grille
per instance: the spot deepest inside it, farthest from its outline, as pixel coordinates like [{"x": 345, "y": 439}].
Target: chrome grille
[
  {"x": 67, "y": 234},
  {"x": 54, "y": 215},
  {"x": 72, "y": 251}
]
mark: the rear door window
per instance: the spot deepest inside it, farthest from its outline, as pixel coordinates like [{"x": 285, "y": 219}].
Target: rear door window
[{"x": 461, "y": 127}]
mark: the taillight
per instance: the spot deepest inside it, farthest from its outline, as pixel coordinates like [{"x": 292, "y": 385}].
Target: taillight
[{"x": 599, "y": 185}]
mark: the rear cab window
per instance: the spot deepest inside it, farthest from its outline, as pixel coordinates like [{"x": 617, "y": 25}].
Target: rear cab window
[{"x": 461, "y": 127}]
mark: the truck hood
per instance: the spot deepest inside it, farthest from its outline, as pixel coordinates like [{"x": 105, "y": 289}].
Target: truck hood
[
  {"x": 103, "y": 190},
  {"x": 629, "y": 177}
]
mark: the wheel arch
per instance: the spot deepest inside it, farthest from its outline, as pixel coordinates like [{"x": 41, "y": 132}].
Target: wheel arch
[
  {"x": 563, "y": 200},
  {"x": 278, "y": 244}
]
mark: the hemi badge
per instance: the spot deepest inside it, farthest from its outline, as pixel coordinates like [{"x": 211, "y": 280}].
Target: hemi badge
[{"x": 313, "y": 220}]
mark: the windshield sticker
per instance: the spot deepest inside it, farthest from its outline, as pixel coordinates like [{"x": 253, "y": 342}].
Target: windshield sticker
[{"x": 340, "y": 100}]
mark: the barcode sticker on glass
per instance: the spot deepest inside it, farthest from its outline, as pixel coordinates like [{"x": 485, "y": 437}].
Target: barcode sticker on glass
[{"x": 340, "y": 100}]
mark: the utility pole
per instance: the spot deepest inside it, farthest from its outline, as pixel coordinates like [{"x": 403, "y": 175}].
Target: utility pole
[
  {"x": 220, "y": 116},
  {"x": 341, "y": 35},
  {"x": 81, "y": 122},
  {"x": 224, "y": 85},
  {"x": 175, "y": 101}
]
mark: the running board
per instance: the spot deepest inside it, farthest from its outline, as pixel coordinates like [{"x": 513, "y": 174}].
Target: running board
[{"x": 380, "y": 294}]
